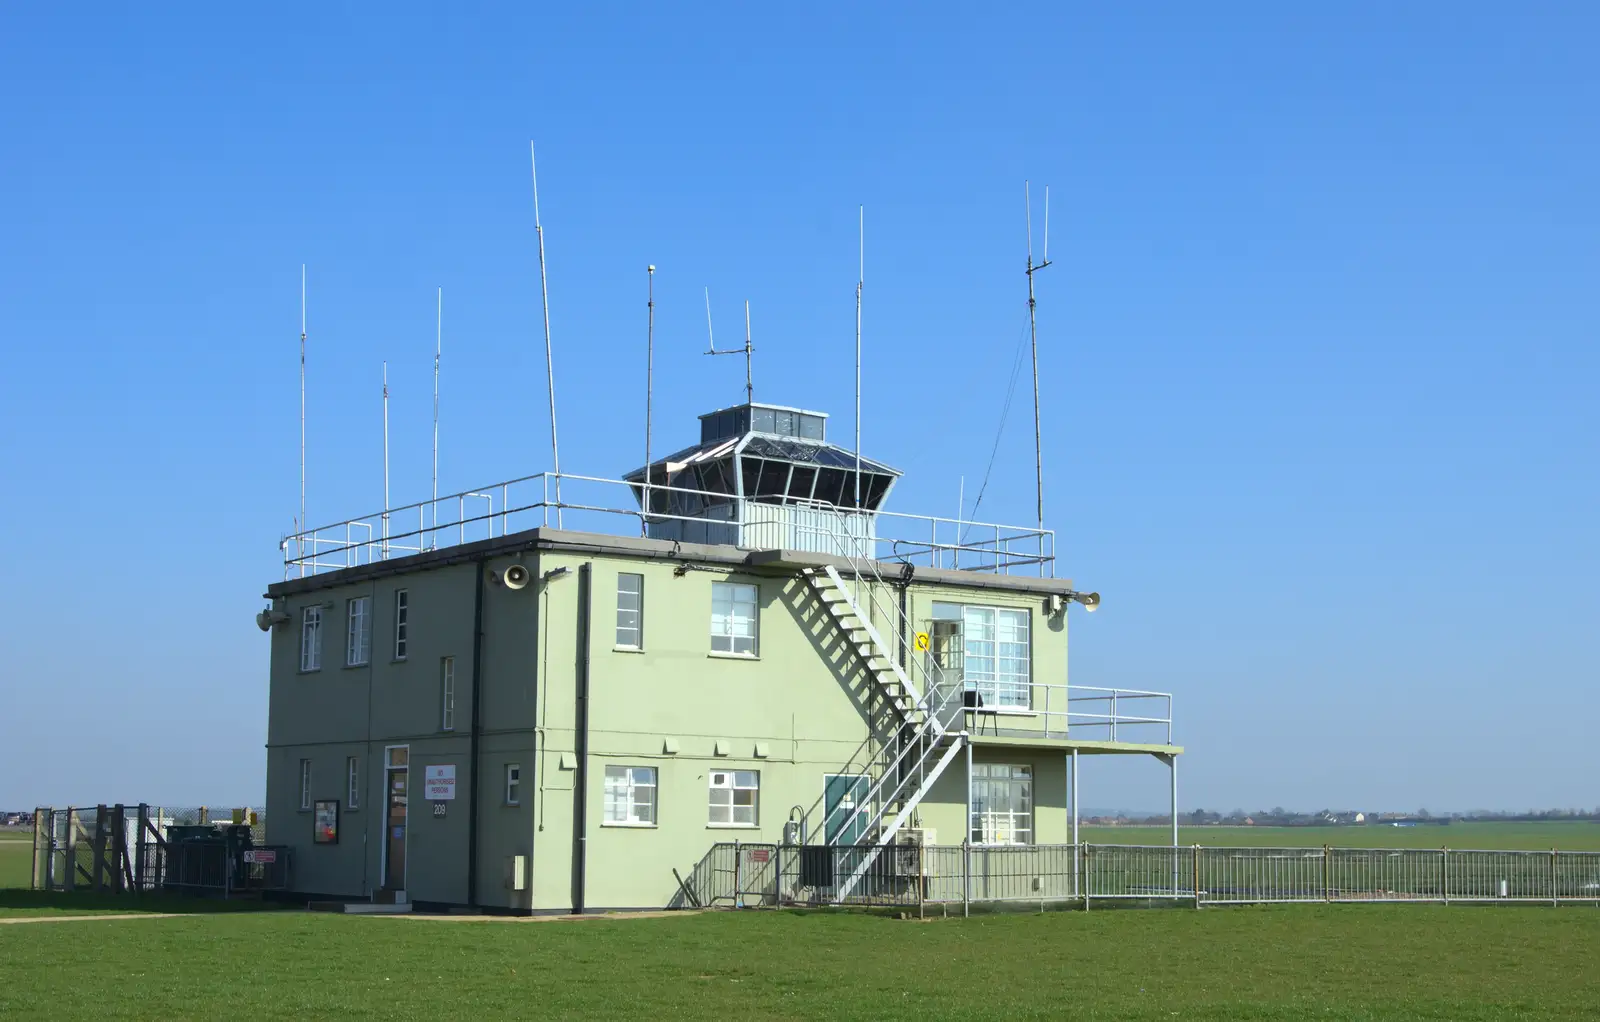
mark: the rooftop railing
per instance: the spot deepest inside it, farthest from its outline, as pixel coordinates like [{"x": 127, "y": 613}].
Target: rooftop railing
[{"x": 611, "y": 506}]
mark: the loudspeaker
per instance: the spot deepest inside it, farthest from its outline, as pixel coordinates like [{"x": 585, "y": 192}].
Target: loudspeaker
[{"x": 516, "y": 577}]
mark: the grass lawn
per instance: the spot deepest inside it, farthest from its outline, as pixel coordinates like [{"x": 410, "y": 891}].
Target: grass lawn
[
  {"x": 1574, "y": 836},
  {"x": 16, "y": 861},
  {"x": 1325, "y": 962}
]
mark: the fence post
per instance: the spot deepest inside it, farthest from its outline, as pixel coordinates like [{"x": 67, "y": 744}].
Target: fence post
[
  {"x": 139, "y": 847},
  {"x": 41, "y": 847},
  {"x": 70, "y": 864},
  {"x": 738, "y": 895},
  {"x": 1087, "y": 851},
  {"x": 1196, "y": 876},
  {"x": 966, "y": 877},
  {"x": 1327, "y": 887},
  {"x": 101, "y": 825},
  {"x": 1555, "y": 888},
  {"x": 1445, "y": 871}
]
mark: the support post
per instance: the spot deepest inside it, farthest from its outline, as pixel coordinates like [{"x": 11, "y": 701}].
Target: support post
[
  {"x": 1444, "y": 872},
  {"x": 1555, "y": 889},
  {"x": 1327, "y": 888},
  {"x": 738, "y": 887},
  {"x": 139, "y": 845},
  {"x": 966, "y": 839},
  {"x": 1077, "y": 849},
  {"x": 1172, "y": 763}
]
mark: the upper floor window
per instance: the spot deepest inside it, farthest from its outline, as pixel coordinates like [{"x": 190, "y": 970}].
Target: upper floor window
[
  {"x": 447, "y": 693},
  {"x": 733, "y": 618},
  {"x": 305, "y": 784},
  {"x": 402, "y": 622},
  {"x": 994, "y": 659},
  {"x": 630, "y": 611},
  {"x": 311, "y": 639},
  {"x": 1002, "y": 804},
  {"x": 358, "y": 642}
]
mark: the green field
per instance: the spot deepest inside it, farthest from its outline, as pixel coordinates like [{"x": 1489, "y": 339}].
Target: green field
[
  {"x": 16, "y": 859},
  {"x": 1576, "y": 836},
  {"x": 1300, "y": 962}
]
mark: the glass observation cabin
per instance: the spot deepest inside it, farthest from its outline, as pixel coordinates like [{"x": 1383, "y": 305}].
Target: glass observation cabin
[{"x": 764, "y": 476}]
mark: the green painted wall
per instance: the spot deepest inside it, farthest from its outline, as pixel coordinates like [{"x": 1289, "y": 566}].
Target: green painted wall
[{"x": 800, "y": 709}]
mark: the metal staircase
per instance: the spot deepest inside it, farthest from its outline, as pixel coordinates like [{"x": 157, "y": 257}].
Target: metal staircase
[{"x": 929, "y": 720}]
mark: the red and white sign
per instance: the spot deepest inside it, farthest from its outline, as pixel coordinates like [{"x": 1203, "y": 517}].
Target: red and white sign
[
  {"x": 760, "y": 855},
  {"x": 439, "y": 782},
  {"x": 261, "y": 856}
]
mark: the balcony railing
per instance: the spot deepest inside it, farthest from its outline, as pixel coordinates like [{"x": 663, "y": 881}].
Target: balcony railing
[
  {"x": 1083, "y": 711},
  {"x": 611, "y": 506}
]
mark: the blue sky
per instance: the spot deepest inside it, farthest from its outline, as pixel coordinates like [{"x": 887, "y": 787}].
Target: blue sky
[{"x": 1318, "y": 349}]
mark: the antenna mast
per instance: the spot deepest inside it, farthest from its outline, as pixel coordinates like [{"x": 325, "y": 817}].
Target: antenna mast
[
  {"x": 711, "y": 339},
  {"x": 549, "y": 361},
  {"x": 386, "y": 460},
  {"x": 860, "y": 280},
  {"x": 1033, "y": 332},
  {"x": 649, "y": 387},
  {"x": 301, "y": 530},
  {"x": 438, "y": 346}
]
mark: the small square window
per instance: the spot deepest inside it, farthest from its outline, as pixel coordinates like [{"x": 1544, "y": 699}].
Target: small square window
[
  {"x": 513, "y": 784},
  {"x": 735, "y": 798}
]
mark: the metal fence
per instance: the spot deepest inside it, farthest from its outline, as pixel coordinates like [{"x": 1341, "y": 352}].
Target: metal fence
[
  {"x": 128, "y": 849},
  {"x": 744, "y": 875}
]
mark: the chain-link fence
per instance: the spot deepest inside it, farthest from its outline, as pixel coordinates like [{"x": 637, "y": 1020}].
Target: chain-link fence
[
  {"x": 910, "y": 875},
  {"x": 133, "y": 849}
]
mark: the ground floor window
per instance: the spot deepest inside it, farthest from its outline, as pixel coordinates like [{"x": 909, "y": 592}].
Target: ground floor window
[
  {"x": 630, "y": 796},
  {"x": 1002, "y": 804},
  {"x": 735, "y": 798}
]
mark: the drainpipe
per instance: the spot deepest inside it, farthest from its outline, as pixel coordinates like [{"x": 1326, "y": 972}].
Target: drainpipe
[
  {"x": 472, "y": 765},
  {"x": 580, "y": 821}
]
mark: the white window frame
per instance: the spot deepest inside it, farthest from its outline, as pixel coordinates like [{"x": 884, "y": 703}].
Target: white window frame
[
  {"x": 723, "y": 788},
  {"x": 447, "y": 693},
  {"x": 631, "y": 794},
  {"x": 513, "y": 784},
  {"x": 311, "y": 638},
  {"x": 352, "y": 783},
  {"x": 402, "y": 622},
  {"x": 636, "y": 640},
  {"x": 724, "y": 638},
  {"x": 305, "y": 785},
  {"x": 358, "y": 631},
  {"x": 990, "y": 662},
  {"x": 1002, "y": 804}
]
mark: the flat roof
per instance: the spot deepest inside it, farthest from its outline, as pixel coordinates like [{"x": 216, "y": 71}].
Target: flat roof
[
  {"x": 763, "y": 404},
  {"x": 545, "y": 538}
]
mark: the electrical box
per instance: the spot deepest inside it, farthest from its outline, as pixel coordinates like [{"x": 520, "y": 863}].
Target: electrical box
[{"x": 517, "y": 872}]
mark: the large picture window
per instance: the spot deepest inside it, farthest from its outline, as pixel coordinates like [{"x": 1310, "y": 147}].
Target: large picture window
[
  {"x": 995, "y": 653},
  {"x": 630, "y": 796},
  {"x": 735, "y": 798},
  {"x": 733, "y": 618},
  {"x": 1002, "y": 804}
]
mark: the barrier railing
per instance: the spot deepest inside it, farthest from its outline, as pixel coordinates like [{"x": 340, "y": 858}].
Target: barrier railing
[
  {"x": 611, "y": 506},
  {"x": 911, "y": 875}
]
